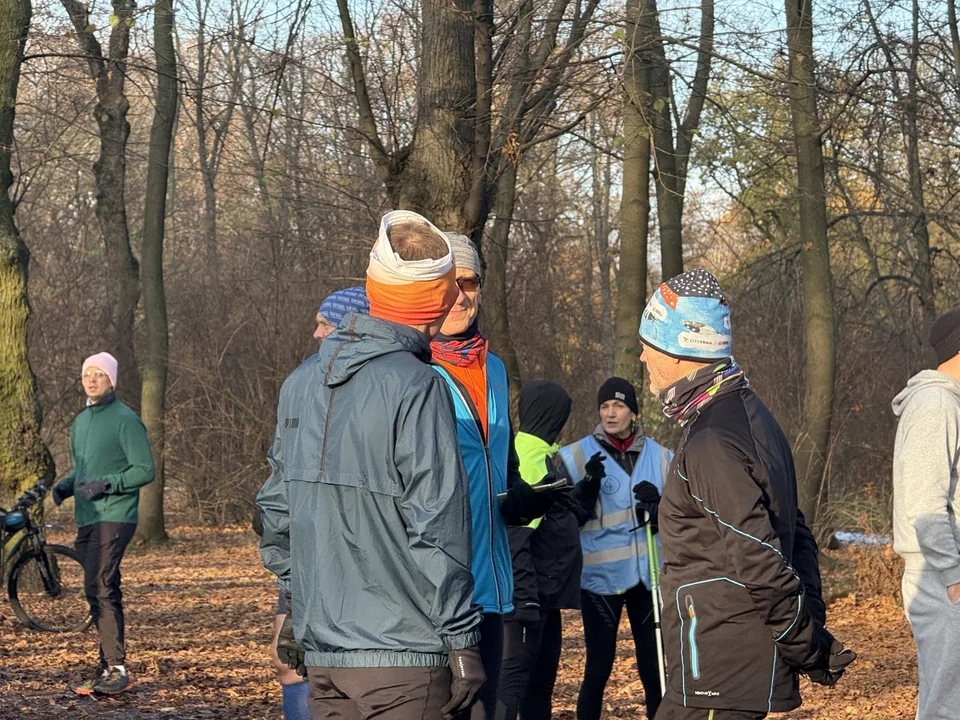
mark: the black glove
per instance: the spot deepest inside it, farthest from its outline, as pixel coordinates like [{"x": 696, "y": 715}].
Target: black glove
[
  {"x": 288, "y": 649},
  {"x": 527, "y": 614},
  {"x": 257, "y": 522},
  {"x": 594, "y": 469},
  {"x": 575, "y": 504},
  {"x": 61, "y": 491},
  {"x": 95, "y": 489},
  {"x": 648, "y": 503},
  {"x": 831, "y": 665},
  {"x": 468, "y": 677},
  {"x": 523, "y": 504}
]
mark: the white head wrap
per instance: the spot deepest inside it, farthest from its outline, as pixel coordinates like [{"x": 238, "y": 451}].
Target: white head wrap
[{"x": 387, "y": 267}]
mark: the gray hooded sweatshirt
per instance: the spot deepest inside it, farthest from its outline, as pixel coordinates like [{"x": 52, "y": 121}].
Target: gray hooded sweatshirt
[
  {"x": 366, "y": 516},
  {"x": 925, "y": 471}
]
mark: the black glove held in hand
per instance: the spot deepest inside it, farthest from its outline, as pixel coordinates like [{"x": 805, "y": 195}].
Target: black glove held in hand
[
  {"x": 594, "y": 469},
  {"x": 831, "y": 665},
  {"x": 468, "y": 678},
  {"x": 94, "y": 490},
  {"x": 522, "y": 504},
  {"x": 61, "y": 491},
  {"x": 648, "y": 503},
  {"x": 288, "y": 649}
]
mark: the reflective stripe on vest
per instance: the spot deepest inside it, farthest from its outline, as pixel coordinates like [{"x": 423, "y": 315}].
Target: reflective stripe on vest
[{"x": 614, "y": 553}]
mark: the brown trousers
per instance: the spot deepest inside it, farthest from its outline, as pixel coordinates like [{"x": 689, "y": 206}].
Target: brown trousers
[{"x": 391, "y": 693}]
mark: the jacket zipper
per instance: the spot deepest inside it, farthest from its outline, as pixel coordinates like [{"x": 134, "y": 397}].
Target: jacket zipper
[
  {"x": 692, "y": 636},
  {"x": 491, "y": 495}
]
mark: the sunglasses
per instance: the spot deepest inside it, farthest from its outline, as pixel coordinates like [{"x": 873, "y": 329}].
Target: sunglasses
[{"x": 469, "y": 284}]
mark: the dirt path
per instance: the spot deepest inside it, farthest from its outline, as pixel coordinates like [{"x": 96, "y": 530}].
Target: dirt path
[{"x": 198, "y": 623}]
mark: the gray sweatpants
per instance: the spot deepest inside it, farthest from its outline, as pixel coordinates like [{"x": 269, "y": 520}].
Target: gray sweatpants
[{"x": 935, "y": 622}]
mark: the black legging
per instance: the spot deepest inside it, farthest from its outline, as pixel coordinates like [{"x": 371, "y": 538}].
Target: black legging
[
  {"x": 491, "y": 655},
  {"x": 531, "y": 656},
  {"x": 601, "y": 618}
]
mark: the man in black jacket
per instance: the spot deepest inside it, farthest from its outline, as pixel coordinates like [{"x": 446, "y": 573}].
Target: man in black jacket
[{"x": 743, "y": 613}]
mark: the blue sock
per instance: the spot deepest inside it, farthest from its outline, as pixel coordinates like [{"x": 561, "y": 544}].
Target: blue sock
[{"x": 295, "y": 705}]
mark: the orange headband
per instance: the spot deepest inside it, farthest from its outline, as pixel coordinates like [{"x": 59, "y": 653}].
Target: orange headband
[{"x": 415, "y": 303}]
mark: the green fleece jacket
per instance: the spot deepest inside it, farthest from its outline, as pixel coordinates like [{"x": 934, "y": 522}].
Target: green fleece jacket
[{"x": 108, "y": 441}]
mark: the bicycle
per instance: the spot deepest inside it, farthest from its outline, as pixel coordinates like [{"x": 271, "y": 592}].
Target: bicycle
[{"x": 45, "y": 585}]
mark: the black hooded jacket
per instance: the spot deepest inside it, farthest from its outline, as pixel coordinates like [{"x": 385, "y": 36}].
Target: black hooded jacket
[{"x": 546, "y": 554}]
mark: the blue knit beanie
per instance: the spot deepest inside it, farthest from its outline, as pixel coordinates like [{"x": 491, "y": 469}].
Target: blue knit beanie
[
  {"x": 343, "y": 302},
  {"x": 688, "y": 318}
]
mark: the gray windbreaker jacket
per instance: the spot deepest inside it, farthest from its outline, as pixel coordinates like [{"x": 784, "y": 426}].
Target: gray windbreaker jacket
[
  {"x": 926, "y": 495},
  {"x": 366, "y": 513}
]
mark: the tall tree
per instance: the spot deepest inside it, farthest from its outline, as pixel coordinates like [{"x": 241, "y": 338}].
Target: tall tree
[
  {"x": 818, "y": 320},
  {"x": 153, "y": 400},
  {"x": 212, "y": 116},
  {"x": 908, "y": 106},
  {"x": 432, "y": 175},
  {"x": 110, "y": 171},
  {"x": 634, "y": 203},
  {"x": 459, "y": 165},
  {"x": 671, "y": 156},
  {"x": 24, "y": 458}
]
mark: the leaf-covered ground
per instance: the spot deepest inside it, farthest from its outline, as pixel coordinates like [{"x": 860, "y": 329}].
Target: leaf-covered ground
[{"x": 199, "y": 614}]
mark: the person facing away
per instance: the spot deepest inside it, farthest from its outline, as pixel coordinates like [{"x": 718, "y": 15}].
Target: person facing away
[
  {"x": 477, "y": 381},
  {"x": 743, "y": 613},
  {"x": 111, "y": 460},
  {"x": 366, "y": 515},
  {"x": 616, "y": 567},
  {"x": 546, "y": 558},
  {"x": 295, "y": 688},
  {"x": 926, "y": 502}
]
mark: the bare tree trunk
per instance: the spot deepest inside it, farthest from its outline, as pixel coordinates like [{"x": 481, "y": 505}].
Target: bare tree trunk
[
  {"x": 109, "y": 173},
  {"x": 954, "y": 39},
  {"x": 601, "y": 172},
  {"x": 496, "y": 251},
  {"x": 818, "y": 319},
  {"x": 24, "y": 458},
  {"x": 671, "y": 158},
  {"x": 634, "y": 207},
  {"x": 437, "y": 175},
  {"x": 153, "y": 408},
  {"x": 921, "y": 230}
]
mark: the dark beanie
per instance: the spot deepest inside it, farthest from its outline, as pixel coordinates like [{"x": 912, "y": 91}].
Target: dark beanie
[
  {"x": 945, "y": 335},
  {"x": 616, "y": 388}
]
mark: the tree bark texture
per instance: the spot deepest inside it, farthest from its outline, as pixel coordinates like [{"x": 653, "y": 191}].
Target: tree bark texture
[
  {"x": 24, "y": 459},
  {"x": 109, "y": 171},
  {"x": 634, "y": 206},
  {"x": 813, "y": 444},
  {"x": 151, "y": 528}
]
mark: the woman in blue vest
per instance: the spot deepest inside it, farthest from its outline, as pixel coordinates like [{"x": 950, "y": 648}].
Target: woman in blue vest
[
  {"x": 616, "y": 573},
  {"x": 481, "y": 397}
]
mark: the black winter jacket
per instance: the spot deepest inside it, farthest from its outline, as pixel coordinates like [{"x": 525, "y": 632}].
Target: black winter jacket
[{"x": 741, "y": 584}]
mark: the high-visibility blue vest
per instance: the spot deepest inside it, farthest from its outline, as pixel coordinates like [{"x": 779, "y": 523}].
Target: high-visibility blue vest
[
  {"x": 486, "y": 465},
  {"x": 614, "y": 551}
]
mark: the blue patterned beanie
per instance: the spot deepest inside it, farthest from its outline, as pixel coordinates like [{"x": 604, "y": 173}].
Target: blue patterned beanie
[
  {"x": 343, "y": 302},
  {"x": 688, "y": 318}
]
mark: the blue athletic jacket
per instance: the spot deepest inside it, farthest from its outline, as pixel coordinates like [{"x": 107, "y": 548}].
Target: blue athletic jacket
[{"x": 492, "y": 467}]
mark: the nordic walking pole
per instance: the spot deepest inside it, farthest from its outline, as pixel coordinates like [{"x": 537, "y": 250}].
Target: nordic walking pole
[{"x": 654, "y": 560}]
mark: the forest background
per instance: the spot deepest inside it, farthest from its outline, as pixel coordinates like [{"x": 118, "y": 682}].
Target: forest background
[{"x": 183, "y": 182}]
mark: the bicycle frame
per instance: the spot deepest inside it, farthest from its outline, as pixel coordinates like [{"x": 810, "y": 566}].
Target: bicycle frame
[{"x": 31, "y": 534}]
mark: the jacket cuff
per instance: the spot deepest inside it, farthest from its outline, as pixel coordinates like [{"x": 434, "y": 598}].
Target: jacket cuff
[{"x": 950, "y": 576}]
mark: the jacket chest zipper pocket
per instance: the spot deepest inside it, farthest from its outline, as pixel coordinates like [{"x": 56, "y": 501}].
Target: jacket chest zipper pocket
[{"x": 692, "y": 638}]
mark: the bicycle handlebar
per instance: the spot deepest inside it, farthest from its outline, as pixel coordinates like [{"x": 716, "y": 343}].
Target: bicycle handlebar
[{"x": 30, "y": 497}]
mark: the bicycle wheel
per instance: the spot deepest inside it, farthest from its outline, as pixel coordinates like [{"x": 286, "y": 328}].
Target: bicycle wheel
[{"x": 46, "y": 590}]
